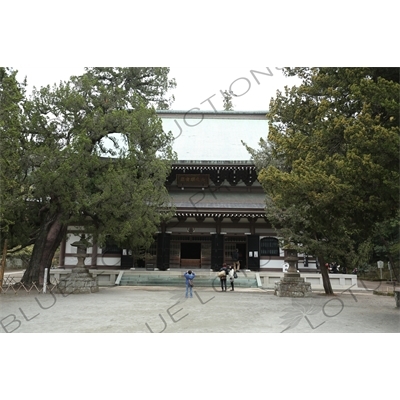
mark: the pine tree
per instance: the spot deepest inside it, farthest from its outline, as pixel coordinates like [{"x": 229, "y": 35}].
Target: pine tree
[
  {"x": 96, "y": 156},
  {"x": 331, "y": 160}
]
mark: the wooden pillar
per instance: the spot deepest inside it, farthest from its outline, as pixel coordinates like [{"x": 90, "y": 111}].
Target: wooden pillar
[
  {"x": 252, "y": 221},
  {"x": 218, "y": 222},
  {"x": 217, "y": 251},
  {"x": 163, "y": 251}
]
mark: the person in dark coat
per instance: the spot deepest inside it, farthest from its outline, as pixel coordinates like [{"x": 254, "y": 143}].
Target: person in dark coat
[
  {"x": 223, "y": 272},
  {"x": 334, "y": 268},
  {"x": 235, "y": 259}
]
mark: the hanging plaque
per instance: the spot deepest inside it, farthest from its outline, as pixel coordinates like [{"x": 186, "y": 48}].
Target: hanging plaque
[{"x": 192, "y": 180}]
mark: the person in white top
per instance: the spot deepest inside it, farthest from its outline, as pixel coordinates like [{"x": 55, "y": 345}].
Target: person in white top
[{"x": 231, "y": 274}]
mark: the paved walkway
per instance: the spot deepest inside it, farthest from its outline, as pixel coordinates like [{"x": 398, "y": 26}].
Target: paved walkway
[
  {"x": 161, "y": 309},
  {"x": 380, "y": 286}
]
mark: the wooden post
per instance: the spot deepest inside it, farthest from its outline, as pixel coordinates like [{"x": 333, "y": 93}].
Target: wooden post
[{"x": 3, "y": 264}]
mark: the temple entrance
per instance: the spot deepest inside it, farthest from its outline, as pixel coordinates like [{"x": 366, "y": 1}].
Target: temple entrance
[
  {"x": 242, "y": 254},
  {"x": 190, "y": 255},
  {"x": 231, "y": 244}
]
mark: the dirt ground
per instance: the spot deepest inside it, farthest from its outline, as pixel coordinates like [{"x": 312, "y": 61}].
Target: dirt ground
[{"x": 166, "y": 310}]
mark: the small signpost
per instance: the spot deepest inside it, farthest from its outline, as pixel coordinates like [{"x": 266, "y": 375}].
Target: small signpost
[
  {"x": 46, "y": 271},
  {"x": 380, "y": 266}
]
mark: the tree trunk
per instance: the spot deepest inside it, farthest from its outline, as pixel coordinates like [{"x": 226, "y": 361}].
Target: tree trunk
[
  {"x": 325, "y": 276},
  {"x": 389, "y": 256},
  {"x": 50, "y": 236},
  {"x": 3, "y": 264}
]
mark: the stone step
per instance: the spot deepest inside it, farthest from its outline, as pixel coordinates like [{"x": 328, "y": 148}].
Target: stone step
[{"x": 163, "y": 280}]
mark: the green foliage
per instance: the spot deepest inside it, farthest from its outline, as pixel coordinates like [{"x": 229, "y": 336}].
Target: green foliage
[
  {"x": 330, "y": 166},
  {"x": 385, "y": 240},
  {"x": 15, "y": 225},
  {"x": 149, "y": 83},
  {"x": 19, "y": 259},
  {"x": 227, "y": 100},
  {"x": 94, "y": 153}
]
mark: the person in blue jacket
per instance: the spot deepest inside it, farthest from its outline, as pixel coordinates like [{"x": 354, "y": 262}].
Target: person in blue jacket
[{"x": 189, "y": 275}]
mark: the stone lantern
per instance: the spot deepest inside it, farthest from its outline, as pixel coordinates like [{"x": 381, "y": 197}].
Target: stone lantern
[
  {"x": 80, "y": 280},
  {"x": 292, "y": 285},
  {"x": 290, "y": 256}
]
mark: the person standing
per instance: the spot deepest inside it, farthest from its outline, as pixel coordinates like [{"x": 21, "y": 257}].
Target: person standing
[
  {"x": 223, "y": 272},
  {"x": 231, "y": 274},
  {"x": 334, "y": 268},
  {"x": 189, "y": 275},
  {"x": 235, "y": 259}
]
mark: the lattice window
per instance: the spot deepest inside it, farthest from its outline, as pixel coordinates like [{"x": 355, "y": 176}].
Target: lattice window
[
  {"x": 269, "y": 246},
  {"x": 111, "y": 247}
]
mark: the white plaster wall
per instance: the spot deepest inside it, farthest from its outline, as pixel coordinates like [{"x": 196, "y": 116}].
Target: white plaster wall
[
  {"x": 108, "y": 261},
  {"x": 74, "y": 260},
  {"x": 273, "y": 264},
  {"x": 269, "y": 264},
  {"x": 338, "y": 281},
  {"x": 194, "y": 135}
]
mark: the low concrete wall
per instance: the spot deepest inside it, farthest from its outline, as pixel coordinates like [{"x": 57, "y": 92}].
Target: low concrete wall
[
  {"x": 338, "y": 281},
  {"x": 104, "y": 277},
  {"x": 265, "y": 279}
]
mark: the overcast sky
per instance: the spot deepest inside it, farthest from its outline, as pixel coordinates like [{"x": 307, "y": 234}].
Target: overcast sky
[{"x": 196, "y": 87}]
